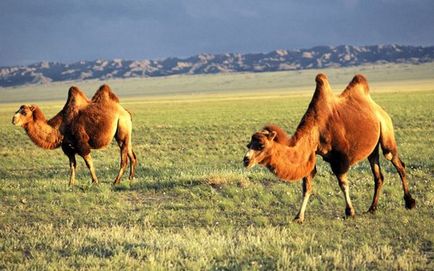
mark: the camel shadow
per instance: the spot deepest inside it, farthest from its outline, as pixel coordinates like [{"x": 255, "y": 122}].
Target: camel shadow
[{"x": 156, "y": 180}]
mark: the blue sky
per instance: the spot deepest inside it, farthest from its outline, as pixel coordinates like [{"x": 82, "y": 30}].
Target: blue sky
[{"x": 72, "y": 30}]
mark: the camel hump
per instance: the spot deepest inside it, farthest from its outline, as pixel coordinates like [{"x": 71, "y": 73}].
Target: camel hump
[
  {"x": 322, "y": 83},
  {"x": 358, "y": 84},
  {"x": 321, "y": 79},
  {"x": 76, "y": 100},
  {"x": 359, "y": 79},
  {"x": 76, "y": 96},
  {"x": 104, "y": 94},
  {"x": 73, "y": 90}
]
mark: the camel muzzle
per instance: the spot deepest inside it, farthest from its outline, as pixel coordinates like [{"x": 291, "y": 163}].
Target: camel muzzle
[
  {"x": 15, "y": 121},
  {"x": 246, "y": 161}
]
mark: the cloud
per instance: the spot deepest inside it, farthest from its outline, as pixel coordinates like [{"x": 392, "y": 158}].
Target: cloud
[{"x": 135, "y": 29}]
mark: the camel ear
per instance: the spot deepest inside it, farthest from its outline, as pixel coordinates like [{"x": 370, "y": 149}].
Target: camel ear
[
  {"x": 32, "y": 107},
  {"x": 269, "y": 134},
  {"x": 273, "y": 134}
]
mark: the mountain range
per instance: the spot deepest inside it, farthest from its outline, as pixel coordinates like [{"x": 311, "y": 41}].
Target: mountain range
[{"x": 278, "y": 60}]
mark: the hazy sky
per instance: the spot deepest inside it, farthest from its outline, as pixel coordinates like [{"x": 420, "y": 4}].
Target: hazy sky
[{"x": 72, "y": 30}]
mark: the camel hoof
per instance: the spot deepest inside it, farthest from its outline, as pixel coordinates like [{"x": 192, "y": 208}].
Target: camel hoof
[
  {"x": 349, "y": 213},
  {"x": 410, "y": 203},
  {"x": 372, "y": 209},
  {"x": 299, "y": 220}
]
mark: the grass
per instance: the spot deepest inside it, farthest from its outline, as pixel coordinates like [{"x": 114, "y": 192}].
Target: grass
[{"x": 193, "y": 206}]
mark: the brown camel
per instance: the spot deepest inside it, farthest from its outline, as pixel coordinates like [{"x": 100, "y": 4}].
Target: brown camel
[
  {"x": 80, "y": 126},
  {"x": 343, "y": 130}
]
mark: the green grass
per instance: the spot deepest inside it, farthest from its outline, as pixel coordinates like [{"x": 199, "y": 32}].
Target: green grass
[{"x": 194, "y": 207}]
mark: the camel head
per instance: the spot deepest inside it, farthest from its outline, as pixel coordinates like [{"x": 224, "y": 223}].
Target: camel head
[
  {"x": 260, "y": 147},
  {"x": 24, "y": 115}
]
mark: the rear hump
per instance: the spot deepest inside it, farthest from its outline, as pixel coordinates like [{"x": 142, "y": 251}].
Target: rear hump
[
  {"x": 104, "y": 94},
  {"x": 359, "y": 85}
]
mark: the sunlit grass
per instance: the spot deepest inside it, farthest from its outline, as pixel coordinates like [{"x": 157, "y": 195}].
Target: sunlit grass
[{"x": 194, "y": 207}]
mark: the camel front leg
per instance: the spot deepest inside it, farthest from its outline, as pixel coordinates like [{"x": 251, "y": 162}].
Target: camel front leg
[
  {"x": 89, "y": 163},
  {"x": 73, "y": 168},
  {"x": 343, "y": 183},
  {"x": 307, "y": 191}
]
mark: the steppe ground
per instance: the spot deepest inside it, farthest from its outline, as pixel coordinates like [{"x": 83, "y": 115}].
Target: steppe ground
[{"x": 193, "y": 206}]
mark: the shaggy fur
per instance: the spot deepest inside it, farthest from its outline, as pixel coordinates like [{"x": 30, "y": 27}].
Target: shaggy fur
[
  {"x": 80, "y": 126},
  {"x": 343, "y": 130}
]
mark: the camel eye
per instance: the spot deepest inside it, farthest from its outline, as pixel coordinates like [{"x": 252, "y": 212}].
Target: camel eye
[
  {"x": 257, "y": 146},
  {"x": 23, "y": 113}
]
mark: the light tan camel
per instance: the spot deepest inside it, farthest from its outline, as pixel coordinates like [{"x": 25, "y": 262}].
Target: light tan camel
[
  {"x": 343, "y": 130},
  {"x": 80, "y": 126}
]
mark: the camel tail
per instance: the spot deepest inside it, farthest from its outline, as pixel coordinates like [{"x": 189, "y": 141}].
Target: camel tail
[
  {"x": 387, "y": 136},
  {"x": 131, "y": 115}
]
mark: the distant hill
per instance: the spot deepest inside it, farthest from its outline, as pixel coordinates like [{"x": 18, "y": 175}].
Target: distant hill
[{"x": 279, "y": 60}]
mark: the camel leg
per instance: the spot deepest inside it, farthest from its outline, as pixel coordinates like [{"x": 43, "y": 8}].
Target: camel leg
[
  {"x": 133, "y": 162},
  {"x": 89, "y": 163},
  {"x": 123, "y": 138},
  {"x": 390, "y": 151},
  {"x": 123, "y": 163},
  {"x": 343, "y": 183},
  {"x": 410, "y": 203},
  {"x": 73, "y": 167},
  {"x": 307, "y": 191},
  {"x": 378, "y": 178}
]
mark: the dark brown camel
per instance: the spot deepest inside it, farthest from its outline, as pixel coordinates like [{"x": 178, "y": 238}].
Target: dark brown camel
[
  {"x": 343, "y": 130},
  {"x": 80, "y": 126}
]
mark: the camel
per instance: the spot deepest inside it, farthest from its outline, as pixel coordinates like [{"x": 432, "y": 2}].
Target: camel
[
  {"x": 80, "y": 126},
  {"x": 343, "y": 130}
]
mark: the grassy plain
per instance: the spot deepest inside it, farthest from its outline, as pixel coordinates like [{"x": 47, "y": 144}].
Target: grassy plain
[{"x": 193, "y": 206}]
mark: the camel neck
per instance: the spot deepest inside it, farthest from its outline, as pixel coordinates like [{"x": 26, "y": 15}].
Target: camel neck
[
  {"x": 43, "y": 134},
  {"x": 317, "y": 113},
  {"x": 292, "y": 162},
  {"x": 297, "y": 159}
]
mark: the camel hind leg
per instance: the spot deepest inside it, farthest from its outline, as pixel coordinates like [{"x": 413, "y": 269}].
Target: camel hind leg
[
  {"x": 410, "y": 203},
  {"x": 123, "y": 162},
  {"x": 89, "y": 163},
  {"x": 133, "y": 163},
  {"x": 374, "y": 161},
  {"x": 390, "y": 151},
  {"x": 123, "y": 138}
]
